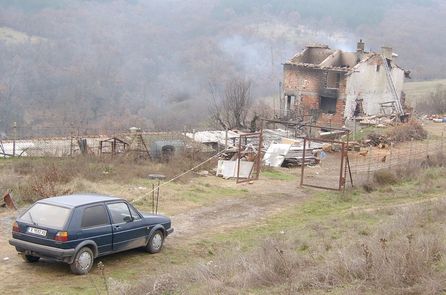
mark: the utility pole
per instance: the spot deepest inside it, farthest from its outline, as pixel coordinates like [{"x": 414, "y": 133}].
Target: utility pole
[{"x": 14, "y": 127}]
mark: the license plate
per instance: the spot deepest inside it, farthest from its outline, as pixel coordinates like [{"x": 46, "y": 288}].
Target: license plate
[{"x": 37, "y": 231}]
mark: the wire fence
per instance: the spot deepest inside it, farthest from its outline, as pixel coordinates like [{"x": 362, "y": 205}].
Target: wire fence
[
  {"x": 334, "y": 169},
  {"x": 64, "y": 142},
  {"x": 409, "y": 155},
  {"x": 362, "y": 164}
]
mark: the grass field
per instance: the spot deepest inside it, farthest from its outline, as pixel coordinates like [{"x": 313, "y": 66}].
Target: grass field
[
  {"x": 338, "y": 243},
  {"x": 416, "y": 91}
]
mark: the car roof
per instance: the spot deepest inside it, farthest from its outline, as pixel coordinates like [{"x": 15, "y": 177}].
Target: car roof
[{"x": 76, "y": 200}]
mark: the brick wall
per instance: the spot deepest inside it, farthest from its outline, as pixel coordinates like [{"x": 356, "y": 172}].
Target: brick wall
[
  {"x": 301, "y": 79},
  {"x": 308, "y": 83},
  {"x": 333, "y": 120}
]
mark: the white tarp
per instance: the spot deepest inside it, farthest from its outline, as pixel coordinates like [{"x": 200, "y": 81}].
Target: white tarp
[
  {"x": 213, "y": 136},
  {"x": 228, "y": 169},
  {"x": 275, "y": 155}
]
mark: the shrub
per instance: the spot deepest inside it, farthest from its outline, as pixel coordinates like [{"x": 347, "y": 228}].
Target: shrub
[
  {"x": 407, "y": 131},
  {"x": 384, "y": 177},
  {"x": 45, "y": 183},
  {"x": 44, "y": 177}
]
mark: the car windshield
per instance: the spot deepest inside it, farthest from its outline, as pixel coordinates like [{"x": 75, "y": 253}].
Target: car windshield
[{"x": 46, "y": 215}]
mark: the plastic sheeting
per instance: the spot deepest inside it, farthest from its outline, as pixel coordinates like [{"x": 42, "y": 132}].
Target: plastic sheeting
[
  {"x": 228, "y": 169},
  {"x": 275, "y": 155}
]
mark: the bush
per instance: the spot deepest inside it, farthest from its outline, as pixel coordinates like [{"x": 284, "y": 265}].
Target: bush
[
  {"x": 384, "y": 177},
  {"x": 45, "y": 183},
  {"x": 36, "y": 178},
  {"x": 407, "y": 131}
]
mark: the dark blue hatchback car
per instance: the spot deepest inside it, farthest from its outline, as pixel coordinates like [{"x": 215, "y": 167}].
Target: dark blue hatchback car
[{"x": 78, "y": 228}]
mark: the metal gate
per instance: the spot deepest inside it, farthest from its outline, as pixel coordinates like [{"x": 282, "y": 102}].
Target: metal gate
[{"x": 332, "y": 165}]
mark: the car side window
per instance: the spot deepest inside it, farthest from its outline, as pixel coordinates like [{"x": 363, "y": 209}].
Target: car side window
[
  {"x": 94, "y": 216},
  {"x": 135, "y": 215},
  {"x": 119, "y": 212}
]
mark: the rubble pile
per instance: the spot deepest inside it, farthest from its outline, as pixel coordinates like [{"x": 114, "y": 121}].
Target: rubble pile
[
  {"x": 292, "y": 154},
  {"x": 437, "y": 118},
  {"x": 377, "y": 121},
  {"x": 379, "y": 140}
]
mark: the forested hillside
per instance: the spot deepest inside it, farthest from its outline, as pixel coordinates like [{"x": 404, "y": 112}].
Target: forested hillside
[{"x": 113, "y": 64}]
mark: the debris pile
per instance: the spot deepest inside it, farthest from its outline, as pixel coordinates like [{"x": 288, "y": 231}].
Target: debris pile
[
  {"x": 377, "y": 120},
  {"x": 438, "y": 118},
  {"x": 412, "y": 130},
  {"x": 294, "y": 157},
  {"x": 379, "y": 140},
  {"x": 292, "y": 154},
  {"x": 229, "y": 165}
]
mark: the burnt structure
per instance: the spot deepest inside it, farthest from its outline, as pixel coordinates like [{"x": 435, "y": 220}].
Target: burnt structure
[{"x": 328, "y": 87}]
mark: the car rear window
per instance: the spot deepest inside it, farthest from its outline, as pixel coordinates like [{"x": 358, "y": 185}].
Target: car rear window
[
  {"x": 94, "y": 216},
  {"x": 46, "y": 215}
]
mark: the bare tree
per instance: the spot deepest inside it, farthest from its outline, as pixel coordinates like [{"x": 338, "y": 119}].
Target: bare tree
[{"x": 230, "y": 107}]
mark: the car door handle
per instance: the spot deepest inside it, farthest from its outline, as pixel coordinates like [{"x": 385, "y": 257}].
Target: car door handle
[{"x": 117, "y": 227}]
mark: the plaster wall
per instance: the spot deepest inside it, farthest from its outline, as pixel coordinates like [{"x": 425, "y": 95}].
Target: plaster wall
[{"x": 368, "y": 82}]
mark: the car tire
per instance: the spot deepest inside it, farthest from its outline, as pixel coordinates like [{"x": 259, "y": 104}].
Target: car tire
[
  {"x": 30, "y": 258},
  {"x": 83, "y": 261},
  {"x": 155, "y": 243}
]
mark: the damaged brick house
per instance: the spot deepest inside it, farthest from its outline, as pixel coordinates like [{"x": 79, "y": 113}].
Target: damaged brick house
[{"x": 332, "y": 86}]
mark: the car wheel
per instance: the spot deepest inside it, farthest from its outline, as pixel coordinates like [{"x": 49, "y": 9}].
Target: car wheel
[
  {"x": 83, "y": 261},
  {"x": 155, "y": 242},
  {"x": 30, "y": 258}
]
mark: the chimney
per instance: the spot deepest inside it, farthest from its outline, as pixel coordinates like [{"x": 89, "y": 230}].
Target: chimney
[
  {"x": 359, "y": 50},
  {"x": 387, "y": 52},
  {"x": 360, "y": 46}
]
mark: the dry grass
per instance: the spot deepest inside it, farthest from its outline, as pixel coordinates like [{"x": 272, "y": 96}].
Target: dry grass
[
  {"x": 401, "y": 256},
  {"x": 403, "y": 253},
  {"x": 384, "y": 177},
  {"x": 270, "y": 264},
  {"x": 407, "y": 172},
  {"x": 34, "y": 178}
]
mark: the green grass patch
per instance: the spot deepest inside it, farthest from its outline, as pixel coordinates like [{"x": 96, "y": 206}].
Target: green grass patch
[
  {"x": 363, "y": 133},
  {"x": 278, "y": 175},
  {"x": 202, "y": 193}
]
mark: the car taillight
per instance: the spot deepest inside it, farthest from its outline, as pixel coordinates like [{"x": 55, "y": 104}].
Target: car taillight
[
  {"x": 15, "y": 227},
  {"x": 61, "y": 236}
]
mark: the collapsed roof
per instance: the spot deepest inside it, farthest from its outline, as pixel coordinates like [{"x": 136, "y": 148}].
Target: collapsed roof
[{"x": 323, "y": 57}]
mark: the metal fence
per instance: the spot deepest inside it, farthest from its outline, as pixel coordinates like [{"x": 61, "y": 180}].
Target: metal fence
[
  {"x": 341, "y": 165},
  {"x": 67, "y": 141},
  {"x": 333, "y": 167},
  {"x": 411, "y": 155},
  {"x": 336, "y": 168}
]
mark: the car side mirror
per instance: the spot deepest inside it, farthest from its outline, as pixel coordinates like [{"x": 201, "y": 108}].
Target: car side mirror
[{"x": 128, "y": 219}]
